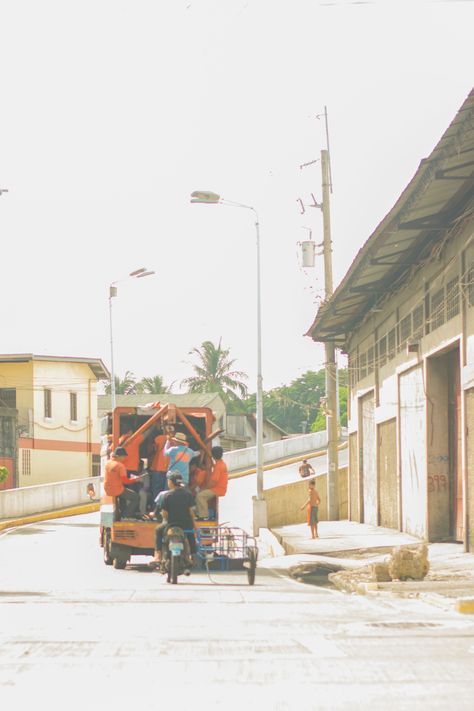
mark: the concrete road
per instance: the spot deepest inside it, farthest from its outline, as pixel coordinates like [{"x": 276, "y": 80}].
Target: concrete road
[{"x": 76, "y": 634}]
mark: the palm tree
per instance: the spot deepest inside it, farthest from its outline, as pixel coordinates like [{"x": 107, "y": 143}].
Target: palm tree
[
  {"x": 127, "y": 386},
  {"x": 214, "y": 374},
  {"x": 153, "y": 384}
]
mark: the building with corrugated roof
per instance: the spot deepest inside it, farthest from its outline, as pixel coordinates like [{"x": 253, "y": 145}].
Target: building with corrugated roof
[{"x": 404, "y": 314}]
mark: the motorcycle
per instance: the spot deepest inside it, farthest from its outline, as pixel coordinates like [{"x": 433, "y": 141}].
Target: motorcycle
[{"x": 176, "y": 554}]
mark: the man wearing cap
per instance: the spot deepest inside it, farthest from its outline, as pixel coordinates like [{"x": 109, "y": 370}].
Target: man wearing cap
[
  {"x": 115, "y": 479},
  {"x": 176, "y": 506},
  {"x": 180, "y": 455}
]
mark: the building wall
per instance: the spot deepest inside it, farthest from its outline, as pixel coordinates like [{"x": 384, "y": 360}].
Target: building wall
[
  {"x": 436, "y": 311},
  {"x": 470, "y": 467},
  {"x": 54, "y": 448},
  {"x": 353, "y": 483}
]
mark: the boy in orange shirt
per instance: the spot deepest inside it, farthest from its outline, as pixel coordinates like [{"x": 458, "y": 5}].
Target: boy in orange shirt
[{"x": 312, "y": 504}]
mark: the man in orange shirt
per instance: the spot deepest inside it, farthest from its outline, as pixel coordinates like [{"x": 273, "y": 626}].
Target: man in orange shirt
[
  {"x": 217, "y": 485},
  {"x": 159, "y": 466},
  {"x": 115, "y": 479}
]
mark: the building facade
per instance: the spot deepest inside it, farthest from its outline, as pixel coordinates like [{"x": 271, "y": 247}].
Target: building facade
[
  {"x": 48, "y": 418},
  {"x": 404, "y": 314}
]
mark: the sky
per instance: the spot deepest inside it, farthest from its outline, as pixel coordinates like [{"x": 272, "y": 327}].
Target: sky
[{"x": 113, "y": 112}]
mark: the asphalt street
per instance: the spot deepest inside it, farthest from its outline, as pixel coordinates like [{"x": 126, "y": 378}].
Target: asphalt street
[{"x": 78, "y": 634}]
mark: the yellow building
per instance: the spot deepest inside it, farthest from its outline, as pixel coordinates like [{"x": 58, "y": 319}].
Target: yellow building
[{"x": 48, "y": 418}]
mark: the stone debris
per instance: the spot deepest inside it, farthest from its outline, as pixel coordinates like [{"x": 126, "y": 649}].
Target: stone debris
[
  {"x": 406, "y": 563},
  {"x": 409, "y": 562}
]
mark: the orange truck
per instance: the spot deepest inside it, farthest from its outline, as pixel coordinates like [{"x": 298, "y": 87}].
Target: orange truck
[{"x": 120, "y": 539}]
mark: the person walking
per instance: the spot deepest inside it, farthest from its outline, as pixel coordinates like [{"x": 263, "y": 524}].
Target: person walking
[{"x": 312, "y": 505}]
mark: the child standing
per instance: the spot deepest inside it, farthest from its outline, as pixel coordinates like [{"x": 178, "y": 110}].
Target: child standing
[{"x": 312, "y": 504}]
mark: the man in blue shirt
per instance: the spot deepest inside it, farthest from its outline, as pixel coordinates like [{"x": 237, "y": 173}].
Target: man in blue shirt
[{"x": 180, "y": 455}]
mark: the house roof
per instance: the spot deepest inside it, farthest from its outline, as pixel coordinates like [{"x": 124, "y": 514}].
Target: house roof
[
  {"x": 211, "y": 400},
  {"x": 437, "y": 198},
  {"x": 95, "y": 364}
]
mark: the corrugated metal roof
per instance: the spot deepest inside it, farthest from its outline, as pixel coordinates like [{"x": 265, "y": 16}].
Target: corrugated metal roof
[
  {"x": 441, "y": 191},
  {"x": 211, "y": 400}
]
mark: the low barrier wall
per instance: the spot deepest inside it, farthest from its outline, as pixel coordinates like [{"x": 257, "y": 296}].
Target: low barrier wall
[
  {"x": 246, "y": 458},
  {"x": 17, "y": 503},
  {"x": 284, "y": 502}
]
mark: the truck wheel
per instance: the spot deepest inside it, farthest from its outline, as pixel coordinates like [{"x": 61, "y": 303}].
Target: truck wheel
[
  {"x": 108, "y": 560},
  {"x": 252, "y": 566},
  {"x": 120, "y": 562},
  {"x": 174, "y": 563}
]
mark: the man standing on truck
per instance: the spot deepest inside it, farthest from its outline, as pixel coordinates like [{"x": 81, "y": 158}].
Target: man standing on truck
[
  {"x": 117, "y": 483},
  {"x": 132, "y": 460},
  {"x": 159, "y": 465},
  {"x": 180, "y": 455}
]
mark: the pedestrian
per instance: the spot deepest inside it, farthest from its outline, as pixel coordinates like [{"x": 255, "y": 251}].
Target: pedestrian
[
  {"x": 217, "y": 485},
  {"x": 312, "y": 503},
  {"x": 305, "y": 469}
]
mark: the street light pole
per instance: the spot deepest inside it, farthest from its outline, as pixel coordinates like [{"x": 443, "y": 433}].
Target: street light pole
[
  {"x": 259, "y": 503},
  {"x": 112, "y": 293},
  {"x": 137, "y": 274}
]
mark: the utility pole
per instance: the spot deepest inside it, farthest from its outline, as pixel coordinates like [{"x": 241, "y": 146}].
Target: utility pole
[{"x": 330, "y": 366}]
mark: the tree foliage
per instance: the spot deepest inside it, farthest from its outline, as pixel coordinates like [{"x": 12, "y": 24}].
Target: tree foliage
[
  {"x": 214, "y": 373},
  {"x": 298, "y": 407}
]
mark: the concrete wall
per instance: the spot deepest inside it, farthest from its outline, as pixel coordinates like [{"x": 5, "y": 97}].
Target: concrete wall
[
  {"x": 284, "y": 502},
  {"x": 28, "y": 500},
  {"x": 353, "y": 476},
  {"x": 470, "y": 467},
  {"x": 245, "y": 458}
]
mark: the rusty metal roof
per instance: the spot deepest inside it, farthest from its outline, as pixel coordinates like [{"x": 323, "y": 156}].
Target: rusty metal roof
[{"x": 441, "y": 191}]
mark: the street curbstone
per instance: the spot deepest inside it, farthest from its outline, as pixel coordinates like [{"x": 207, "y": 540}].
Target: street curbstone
[
  {"x": 465, "y": 606},
  {"x": 49, "y": 515}
]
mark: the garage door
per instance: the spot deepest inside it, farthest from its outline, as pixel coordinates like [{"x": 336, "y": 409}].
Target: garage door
[
  {"x": 369, "y": 470},
  {"x": 413, "y": 452}
]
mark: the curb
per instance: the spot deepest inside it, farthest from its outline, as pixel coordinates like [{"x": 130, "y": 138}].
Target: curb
[
  {"x": 465, "y": 606},
  {"x": 271, "y": 542},
  {"x": 48, "y": 515}
]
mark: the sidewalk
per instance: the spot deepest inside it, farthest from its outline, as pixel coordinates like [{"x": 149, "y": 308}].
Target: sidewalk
[{"x": 347, "y": 545}]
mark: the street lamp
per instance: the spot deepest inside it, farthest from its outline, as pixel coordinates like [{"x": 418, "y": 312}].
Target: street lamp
[
  {"x": 206, "y": 197},
  {"x": 137, "y": 274}
]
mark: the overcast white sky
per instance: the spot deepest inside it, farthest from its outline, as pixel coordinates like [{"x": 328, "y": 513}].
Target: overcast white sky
[{"x": 113, "y": 112}]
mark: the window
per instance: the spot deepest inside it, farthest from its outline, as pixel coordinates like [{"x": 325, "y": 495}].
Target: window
[
  {"x": 370, "y": 360},
  {"x": 382, "y": 349},
  {"x": 391, "y": 344},
  {"x": 470, "y": 285},
  {"x": 8, "y": 397},
  {"x": 417, "y": 318},
  {"x": 26, "y": 462},
  {"x": 73, "y": 407},
  {"x": 48, "y": 411},
  {"x": 452, "y": 298},
  {"x": 437, "y": 309},
  {"x": 405, "y": 330},
  {"x": 7, "y": 437},
  {"x": 362, "y": 366},
  {"x": 96, "y": 465}
]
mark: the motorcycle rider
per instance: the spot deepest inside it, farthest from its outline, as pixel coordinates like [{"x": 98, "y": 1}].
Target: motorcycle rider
[{"x": 176, "y": 509}]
